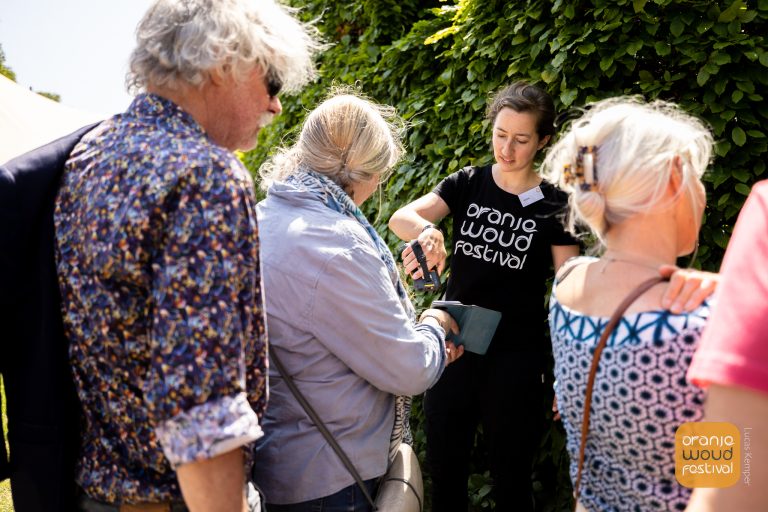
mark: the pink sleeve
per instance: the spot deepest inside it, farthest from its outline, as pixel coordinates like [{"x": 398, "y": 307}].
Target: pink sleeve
[{"x": 734, "y": 348}]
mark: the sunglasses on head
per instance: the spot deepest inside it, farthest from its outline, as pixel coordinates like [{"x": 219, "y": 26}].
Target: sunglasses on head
[{"x": 274, "y": 84}]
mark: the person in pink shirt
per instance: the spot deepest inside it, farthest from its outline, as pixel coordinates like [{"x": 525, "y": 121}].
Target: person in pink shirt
[{"x": 732, "y": 358}]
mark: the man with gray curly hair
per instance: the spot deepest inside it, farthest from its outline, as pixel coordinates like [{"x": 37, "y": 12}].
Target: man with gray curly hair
[{"x": 158, "y": 260}]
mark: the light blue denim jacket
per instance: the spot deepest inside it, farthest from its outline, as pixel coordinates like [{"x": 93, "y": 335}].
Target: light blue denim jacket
[{"x": 335, "y": 320}]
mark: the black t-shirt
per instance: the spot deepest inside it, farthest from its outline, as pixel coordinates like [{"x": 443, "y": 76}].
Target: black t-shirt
[{"x": 502, "y": 253}]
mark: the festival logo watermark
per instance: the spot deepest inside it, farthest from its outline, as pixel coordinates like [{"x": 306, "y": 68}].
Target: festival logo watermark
[{"x": 708, "y": 454}]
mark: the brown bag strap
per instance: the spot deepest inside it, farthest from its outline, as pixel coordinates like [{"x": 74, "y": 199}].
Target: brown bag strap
[{"x": 609, "y": 328}]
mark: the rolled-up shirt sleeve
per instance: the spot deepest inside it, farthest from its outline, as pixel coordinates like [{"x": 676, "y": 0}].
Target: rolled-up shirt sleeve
[{"x": 206, "y": 298}]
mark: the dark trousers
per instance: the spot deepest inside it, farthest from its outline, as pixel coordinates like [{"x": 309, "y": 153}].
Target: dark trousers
[
  {"x": 505, "y": 393},
  {"x": 349, "y": 499}
]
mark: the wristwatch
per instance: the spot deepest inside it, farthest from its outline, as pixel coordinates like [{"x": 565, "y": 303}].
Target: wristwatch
[{"x": 430, "y": 226}]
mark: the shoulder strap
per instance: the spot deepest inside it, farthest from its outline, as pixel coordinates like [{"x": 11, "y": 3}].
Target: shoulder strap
[
  {"x": 609, "y": 328},
  {"x": 320, "y": 425}
]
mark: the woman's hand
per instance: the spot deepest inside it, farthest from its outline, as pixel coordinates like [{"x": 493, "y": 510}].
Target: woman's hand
[
  {"x": 452, "y": 352},
  {"x": 448, "y": 324},
  {"x": 687, "y": 289},
  {"x": 433, "y": 245}
]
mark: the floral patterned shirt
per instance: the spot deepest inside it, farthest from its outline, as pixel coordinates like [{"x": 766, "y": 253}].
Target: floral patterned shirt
[{"x": 158, "y": 266}]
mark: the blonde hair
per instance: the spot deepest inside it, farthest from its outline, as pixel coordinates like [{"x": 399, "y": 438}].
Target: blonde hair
[
  {"x": 186, "y": 40},
  {"x": 634, "y": 145},
  {"x": 347, "y": 138}
]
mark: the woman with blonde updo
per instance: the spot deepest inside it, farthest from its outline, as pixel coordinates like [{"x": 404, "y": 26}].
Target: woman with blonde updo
[
  {"x": 338, "y": 315},
  {"x": 633, "y": 170}
]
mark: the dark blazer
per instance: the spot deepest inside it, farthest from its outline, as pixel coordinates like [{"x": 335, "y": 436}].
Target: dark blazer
[{"x": 43, "y": 410}]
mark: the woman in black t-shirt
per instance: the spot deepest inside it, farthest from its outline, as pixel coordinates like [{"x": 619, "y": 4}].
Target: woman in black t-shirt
[{"x": 507, "y": 238}]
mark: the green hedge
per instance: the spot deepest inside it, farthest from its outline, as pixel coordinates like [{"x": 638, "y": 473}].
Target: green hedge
[{"x": 439, "y": 62}]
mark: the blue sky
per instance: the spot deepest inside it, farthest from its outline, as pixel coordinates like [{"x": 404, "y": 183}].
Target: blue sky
[{"x": 76, "y": 48}]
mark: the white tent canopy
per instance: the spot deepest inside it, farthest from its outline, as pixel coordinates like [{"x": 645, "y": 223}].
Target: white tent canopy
[{"x": 28, "y": 120}]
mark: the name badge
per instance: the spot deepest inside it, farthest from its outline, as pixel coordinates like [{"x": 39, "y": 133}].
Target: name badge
[{"x": 531, "y": 196}]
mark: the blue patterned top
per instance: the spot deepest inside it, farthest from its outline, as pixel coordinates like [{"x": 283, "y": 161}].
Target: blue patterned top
[
  {"x": 640, "y": 398},
  {"x": 158, "y": 265}
]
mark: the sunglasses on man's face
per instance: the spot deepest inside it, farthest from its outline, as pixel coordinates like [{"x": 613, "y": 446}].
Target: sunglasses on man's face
[{"x": 274, "y": 84}]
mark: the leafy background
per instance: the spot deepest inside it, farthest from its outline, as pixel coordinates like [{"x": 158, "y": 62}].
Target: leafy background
[{"x": 438, "y": 62}]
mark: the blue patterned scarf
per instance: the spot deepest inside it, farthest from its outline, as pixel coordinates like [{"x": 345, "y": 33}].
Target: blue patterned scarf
[{"x": 332, "y": 196}]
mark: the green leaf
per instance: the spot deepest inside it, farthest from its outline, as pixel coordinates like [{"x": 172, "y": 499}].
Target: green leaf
[
  {"x": 720, "y": 238},
  {"x": 567, "y": 97},
  {"x": 741, "y": 175},
  {"x": 702, "y": 78},
  {"x": 742, "y": 189},
  {"x": 720, "y": 179},
  {"x": 720, "y": 87},
  {"x": 720, "y": 58},
  {"x": 722, "y": 148},
  {"x": 746, "y": 86},
  {"x": 638, "y": 5},
  {"x": 519, "y": 39},
  {"x": 676, "y": 27},
  {"x": 738, "y": 136},
  {"x": 704, "y": 26},
  {"x": 662, "y": 48},
  {"x": 764, "y": 59},
  {"x": 645, "y": 76},
  {"x": 718, "y": 125},
  {"x": 634, "y": 47},
  {"x": 731, "y": 12},
  {"x": 736, "y": 96},
  {"x": 757, "y": 134},
  {"x": 586, "y": 49},
  {"x": 605, "y": 63},
  {"x": 434, "y": 38},
  {"x": 747, "y": 16},
  {"x": 548, "y": 76},
  {"x": 559, "y": 59},
  {"x": 723, "y": 199},
  {"x": 468, "y": 96}
]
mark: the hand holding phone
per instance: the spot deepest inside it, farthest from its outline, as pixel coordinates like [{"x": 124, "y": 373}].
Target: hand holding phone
[{"x": 431, "y": 279}]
